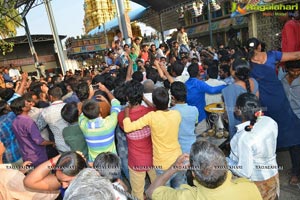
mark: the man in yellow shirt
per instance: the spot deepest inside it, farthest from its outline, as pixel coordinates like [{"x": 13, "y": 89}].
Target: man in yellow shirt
[
  {"x": 212, "y": 179},
  {"x": 164, "y": 125}
]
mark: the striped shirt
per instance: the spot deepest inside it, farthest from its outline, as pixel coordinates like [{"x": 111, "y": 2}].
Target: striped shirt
[
  {"x": 99, "y": 133},
  {"x": 253, "y": 154}
]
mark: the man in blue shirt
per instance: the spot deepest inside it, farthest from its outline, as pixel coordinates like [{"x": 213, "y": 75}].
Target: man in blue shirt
[{"x": 196, "y": 90}]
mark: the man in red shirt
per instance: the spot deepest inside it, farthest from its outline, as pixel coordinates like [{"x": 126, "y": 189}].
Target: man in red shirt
[
  {"x": 140, "y": 159},
  {"x": 291, "y": 34}
]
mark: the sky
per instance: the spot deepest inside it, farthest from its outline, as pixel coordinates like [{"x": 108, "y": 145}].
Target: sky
[{"x": 68, "y": 16}]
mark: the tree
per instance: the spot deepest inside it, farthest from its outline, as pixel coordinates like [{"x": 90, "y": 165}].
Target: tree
[{"x": 10, "y": 20}]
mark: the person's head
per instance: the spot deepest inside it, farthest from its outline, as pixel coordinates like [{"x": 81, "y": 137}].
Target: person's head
[
  {"x": 248, "y": 107},
  {"x": 148, "y": 86},
  {"x": 162, "y": 46},
  {"x": 160, "y": 98},
  {"x": 224, "y": 71},
  {"x": 193, "y": 70},
  {"x": 126, "y": 48},
  {"x": 208, "y": 164},
  {"x": 89, "y": 185},
  {"x": 4, "y": 108},
  {"x": 120, "y": 94},
  {"x": 118, "y": 33},
  {"x": 213, "y": 71},
  {"x": 134, "y": 92},
  {"x": 253, "y": 45},
  {"x": 181, "y": 29},
  {"x": 175, "y": 45},
  {"x": 184, "y": 58},
  {"x": 241, "y": 71},
  {"x": 132, "y": 50},
  {"x": 31, "y": 98},
  {"x": 145, "y": 47},
  {"x": 140, "y": 63},
  {"x": 138, "y": 76},
  {"x": 137, "y": 40},
  {"x": 70, "y": 112},
  {"x": 153, "y": 47},
  {"x": 55, "y": 93},
  {"x": 6, "y": 93},
  {"x": 19, "y": 106},
  {"x": 178, "y": 91},
  {"x": 91, "y": 109},
  {"x": 293, "y": 68},
  {"x": 68, "y": 166},
  {"x": 152, "y": 74},
  {"x": 108, "y": 165},
  {"x": 71, "y": 84},
  {"x": 177, "y": 68},
  {"x": 82, "y": 91}
]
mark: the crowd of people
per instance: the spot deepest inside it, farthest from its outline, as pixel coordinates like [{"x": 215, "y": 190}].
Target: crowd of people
[{"x": 140, "y": 114}]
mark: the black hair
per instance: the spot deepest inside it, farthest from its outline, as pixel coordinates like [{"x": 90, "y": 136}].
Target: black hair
[
  {"x": 252, "y": 44},
  {"x": 213, "y": 71},
  {"x": 6, "y": 93},
  {"x": 72, "y": 82},
  {"x": 226, "y": 69},
  {"x": 167, "y": 84},
  {"x": 3, "y": 107},
  {"x": 160, "y": 98},
  {"x": 248, "y": 104},
  {"x": 100, "y": 92},
  {"x": 70, "y": 163},
  {"x": 193, "y": 70},
  {"x": 292, "y": 64},
  {"x": 178, "y": 90},
  {"x": 17, "y": 105},
  {"x": 242, "y": 72},
  {"x": 82, "y": 91},
  {"x": 28, "y": 96},
  {"x": 70, "y": 112},
  {"x": 152, "y": 74},
  {"x": 55, "y": 92},
  {"x": 134, "y": 92},
  {"x": 120, "y": 94},
  {"x": 177, "y": 68},
  {"x": 138, "y": 76},
  {"x": 90, "y": 109}
]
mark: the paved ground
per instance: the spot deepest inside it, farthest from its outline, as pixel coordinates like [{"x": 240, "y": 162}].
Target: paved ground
[{"x": 287, "y": 192}]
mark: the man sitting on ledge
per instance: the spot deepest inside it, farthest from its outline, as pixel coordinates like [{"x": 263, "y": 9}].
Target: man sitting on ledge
[{"x": 211, "y": 178}]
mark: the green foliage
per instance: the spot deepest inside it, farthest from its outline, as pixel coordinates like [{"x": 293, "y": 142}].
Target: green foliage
[{"x": 10, "y": 20}]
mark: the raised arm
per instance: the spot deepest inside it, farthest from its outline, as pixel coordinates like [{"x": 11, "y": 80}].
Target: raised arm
[
  {"x": 129, "y": 69},
  {"x": 290, "y": 56},
  {"x": 41, "y": 179},
  {"x": 158, "y": 67},
  {"x": 180, "y": 164},
  {"x": 104, "y": 89},
  {"x": 23, "y": 85}
]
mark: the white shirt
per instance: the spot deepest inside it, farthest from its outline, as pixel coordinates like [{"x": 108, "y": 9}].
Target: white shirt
[
  {"x": 254, "y": 152},
  {"x": 52, "y": 116},
  {"x": 148, "y": 96},
  {"x": 214, "y": 98},
  {"x": 14, "y": 73}
]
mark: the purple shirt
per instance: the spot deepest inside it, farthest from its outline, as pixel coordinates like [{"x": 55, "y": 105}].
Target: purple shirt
[{"x": 29, "y": 138}]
